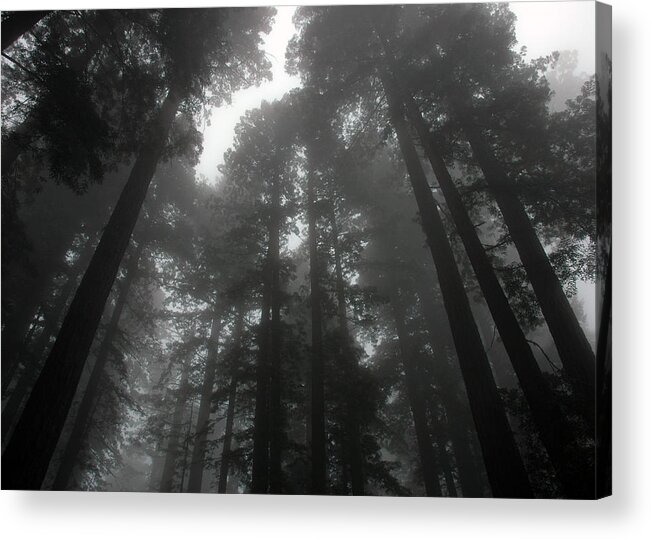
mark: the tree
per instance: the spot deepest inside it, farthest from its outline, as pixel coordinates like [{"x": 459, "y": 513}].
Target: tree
[
  {"x": 191, "y": 57},
  {"x": 14, "y": 25}
]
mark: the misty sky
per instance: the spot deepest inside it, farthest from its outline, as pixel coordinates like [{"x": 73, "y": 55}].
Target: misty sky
[{"x": 540, "y": 27}]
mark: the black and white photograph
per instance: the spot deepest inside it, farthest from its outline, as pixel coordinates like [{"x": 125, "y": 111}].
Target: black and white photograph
[{"x": 341, "y": 250}]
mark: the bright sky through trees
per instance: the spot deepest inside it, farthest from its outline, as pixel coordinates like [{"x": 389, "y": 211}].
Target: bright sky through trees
[{"x": 537, "y": 26}]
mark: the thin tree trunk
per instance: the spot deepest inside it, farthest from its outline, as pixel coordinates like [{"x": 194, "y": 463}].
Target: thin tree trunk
[
  {"x": 353, "y": 430},
  {"x": 506, "y": 472},
  {"x": 27, "y": 457},
  {"x": 426, "y": 452},
  {"x": 186, "y": 447},
  {"x": 92, "y": 391},
  {"x": 555, "y": 432},
  {"x": 17, "y": 24},
  {"x": 318, "y": 437},
  {"x": 228, "y": 437},
  {"x": 444, "y": 459},
  {"x": 201, "y": 431},
  {"x": 573, "y": 347},
  {"x": 172, "y": 453}
]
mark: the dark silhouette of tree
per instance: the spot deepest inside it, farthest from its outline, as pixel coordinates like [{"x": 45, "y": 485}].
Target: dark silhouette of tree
[{"x": 15, "y": 24}]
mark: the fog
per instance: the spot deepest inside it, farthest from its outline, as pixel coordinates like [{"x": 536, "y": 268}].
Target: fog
[{"x": 304, "y": 250}]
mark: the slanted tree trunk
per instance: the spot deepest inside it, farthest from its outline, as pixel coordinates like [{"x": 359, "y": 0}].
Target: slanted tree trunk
[
  {"x": 224, "y": 465},
  {"x": 426, "y": 452},
  {"x": 92, "y": 391},
  {"x": 317, "y": 411},
  {"x": 17, "y": 24},
  {"x": 555, "y": 432},
  {"x": 19, "y": 321},
  {"x": 173, "y": 446},
  {"x": 353, "y": 430},
  {"x": 467, "y": 465},
  {"x": 573, "y": 348},
  {"x": 506, "y": 472},
  {"x": 52, "y": 321},
  {"x": 27, "y": 456},
  {"x": 201, "y": 431}
]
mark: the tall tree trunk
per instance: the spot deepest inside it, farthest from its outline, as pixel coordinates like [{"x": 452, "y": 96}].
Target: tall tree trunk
[
  {"x": 555, "y": 432},
  {"x": 260, "y": 467},
  {"x": 426, "y": 452},
  {"x": 52, "y": 321},
  {"x": 27, "y": 457},
  {"x": 275, "y": 403},
  {"x": 224, "y": 465},
  {"x": 353, "y": 428},
  {"x": 201, "y": 431},
  {"x": 173, "y": 448},
  {"x": 92, "y": 391},
  {"x": 444, "y": 459},
  {"x": 604, "y": 419},
  {"x": 467, "y": 466},
  {"x": 317, "y": 412},
  {"x": 573, "y": 347},
  {"x": 155, "y": 472},
  {"x": 506, "y": 472},
  {"x": 186, "y": 447},
  {"x": 17, "y": 24}
]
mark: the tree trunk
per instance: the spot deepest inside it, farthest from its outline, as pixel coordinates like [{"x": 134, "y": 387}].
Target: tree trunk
[
  {"x": 92, "y": 391},
  {"x": 18, "y": 23},
  {"x": 186, "y": 447},
  {"x": 276, "y": 410},
  {"x": 155, "y": 472},
  {"x": 444, "y": 459},
  {"x": 224, "y": 465},
  {"x": 260, "y": 471},
  {"x": 573, "y": 347},
  {"x": 506, "y": 472},
  {"x": 353, "y": 430},
  {"x": 467, "y": 465},
  {"x": 173, "y": 448},
  {"x": 555, "y": 432},
  {"x": 317, "y": 414},
  {"x": 416, "y": 401},
  {"x": 27, "y": 457},
  {"x": 604, "y": 419},
  {"x": 19, "y": 321},
  {"x": 52, "y": 321},
  {"x": 201, "y": 431}
]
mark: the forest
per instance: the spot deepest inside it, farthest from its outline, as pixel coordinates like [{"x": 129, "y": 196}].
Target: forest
[{"x": 379, "y": 291}]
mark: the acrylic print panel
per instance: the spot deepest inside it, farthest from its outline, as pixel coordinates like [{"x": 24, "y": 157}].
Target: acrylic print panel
[{"x": 347, "y": 250}]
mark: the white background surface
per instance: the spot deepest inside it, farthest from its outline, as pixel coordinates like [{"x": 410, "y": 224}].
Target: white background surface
[{"x": 626, "y": 514}]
